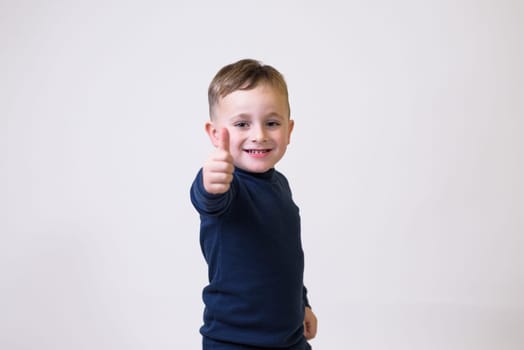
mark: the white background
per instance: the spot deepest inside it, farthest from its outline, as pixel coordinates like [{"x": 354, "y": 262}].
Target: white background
[{"x": 407, "y": 161}]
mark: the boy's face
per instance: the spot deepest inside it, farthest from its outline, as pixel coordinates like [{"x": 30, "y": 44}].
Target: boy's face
[{"x": 258, "y": 124}]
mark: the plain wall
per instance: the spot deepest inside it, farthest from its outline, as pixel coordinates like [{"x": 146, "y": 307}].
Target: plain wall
[{"x": 407, "y": 163}]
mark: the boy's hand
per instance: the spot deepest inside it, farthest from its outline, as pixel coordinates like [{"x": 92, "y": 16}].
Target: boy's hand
[
  {"x": 218, "y": 168},
  {"x": 310, "y": 324}
]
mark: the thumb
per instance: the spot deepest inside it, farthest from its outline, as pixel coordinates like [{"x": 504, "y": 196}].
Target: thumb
[{"x": 223, "y": 141}]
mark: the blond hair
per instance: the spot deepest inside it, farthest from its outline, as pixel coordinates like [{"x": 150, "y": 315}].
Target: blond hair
[{"x": 245, "y": 74}]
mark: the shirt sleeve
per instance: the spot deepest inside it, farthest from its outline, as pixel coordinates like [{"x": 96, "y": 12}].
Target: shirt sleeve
[
  {"x": 306, "y": 300},
  {"x": 207, "y": 203}
]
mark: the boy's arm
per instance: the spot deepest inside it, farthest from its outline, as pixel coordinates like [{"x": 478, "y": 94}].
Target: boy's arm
[{"x": 205, "y": 203}]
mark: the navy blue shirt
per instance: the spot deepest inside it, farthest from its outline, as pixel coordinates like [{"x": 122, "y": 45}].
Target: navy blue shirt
[{"x": 250, "y": 238}]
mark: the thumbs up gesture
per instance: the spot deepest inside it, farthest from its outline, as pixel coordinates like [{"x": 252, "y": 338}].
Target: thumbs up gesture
[{"x": 218, "y": 168}]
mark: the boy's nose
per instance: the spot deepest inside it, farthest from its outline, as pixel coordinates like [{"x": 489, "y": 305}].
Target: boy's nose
[{"x": 259, "y": 134}]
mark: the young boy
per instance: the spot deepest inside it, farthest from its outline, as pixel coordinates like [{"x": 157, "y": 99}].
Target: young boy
[{"x": 250, "y": 226}]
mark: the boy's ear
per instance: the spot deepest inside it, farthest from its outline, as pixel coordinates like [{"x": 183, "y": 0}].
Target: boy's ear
[
  {"x": 212, "y": 132},
  {"x": 290, "y": 130}
]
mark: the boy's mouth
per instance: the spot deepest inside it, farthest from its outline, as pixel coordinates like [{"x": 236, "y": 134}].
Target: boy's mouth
[{"x": 257, "y": 151}]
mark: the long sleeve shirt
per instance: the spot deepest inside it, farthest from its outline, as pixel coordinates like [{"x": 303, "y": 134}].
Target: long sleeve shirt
[{"x": 250, "y": 238}]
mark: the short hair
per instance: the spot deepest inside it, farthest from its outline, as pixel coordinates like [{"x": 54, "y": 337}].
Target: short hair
[{"x": 245, "y": 74}]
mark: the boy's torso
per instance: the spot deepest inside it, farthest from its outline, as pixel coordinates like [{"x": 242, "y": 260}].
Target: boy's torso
[{"x": 256, "y": 263}]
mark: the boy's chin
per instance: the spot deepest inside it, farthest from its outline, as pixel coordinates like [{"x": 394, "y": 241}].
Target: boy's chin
[{"x": 254, "y": 168}]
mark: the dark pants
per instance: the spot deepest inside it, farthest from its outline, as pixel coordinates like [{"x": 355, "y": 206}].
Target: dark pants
[{"x": 211, "y": 344}]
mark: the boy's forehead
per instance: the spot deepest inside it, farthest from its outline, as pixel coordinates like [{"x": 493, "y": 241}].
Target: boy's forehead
[
  {"x": 263, "y": 92},
  {"x": 266, "y": 95}
]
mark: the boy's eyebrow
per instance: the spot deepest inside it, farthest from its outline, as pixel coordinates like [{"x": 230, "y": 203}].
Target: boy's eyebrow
[
  {"x": 248, "y": 116},
  {"x": 275, "y": 114},
  {"x": 240, "y": 116}
]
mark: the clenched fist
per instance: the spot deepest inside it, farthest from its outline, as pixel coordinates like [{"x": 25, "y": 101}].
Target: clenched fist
[
  {"x": 310, "y": 324},
  {"x": 218, "y": 168}
]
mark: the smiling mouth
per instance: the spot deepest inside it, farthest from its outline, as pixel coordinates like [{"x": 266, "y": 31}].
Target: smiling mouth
[{"x": 257, "y": 151}]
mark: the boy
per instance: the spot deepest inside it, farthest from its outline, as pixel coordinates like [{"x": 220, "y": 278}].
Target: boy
[{"x": 250, "y": 226}]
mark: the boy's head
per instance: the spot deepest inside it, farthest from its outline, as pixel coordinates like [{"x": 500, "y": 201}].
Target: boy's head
[
  {"x": 245, "y": 74},
  {"x": 250, "y": 100}
]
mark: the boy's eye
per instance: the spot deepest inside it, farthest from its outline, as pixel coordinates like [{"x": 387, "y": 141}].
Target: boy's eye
[
  {"x": 273, "y": 123},
  {"x": 241, "y": 125}
]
